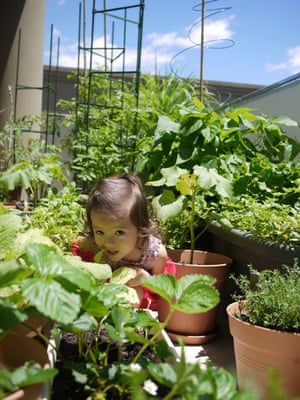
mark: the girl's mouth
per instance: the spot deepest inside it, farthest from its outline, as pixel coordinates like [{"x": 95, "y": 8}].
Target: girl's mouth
[{"x": 112, "y": 252}]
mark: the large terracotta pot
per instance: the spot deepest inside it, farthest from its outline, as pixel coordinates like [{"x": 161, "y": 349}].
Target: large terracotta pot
[
  {"x": 34, "y": 323},
  {"x": 200, "y": 327},
  {"x": 15, "y": 350},
  {"x": 256, "y": 349}
]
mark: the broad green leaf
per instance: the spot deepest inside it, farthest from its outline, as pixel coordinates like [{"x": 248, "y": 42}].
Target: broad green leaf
[
  {"x": 210, "y": 178},
  {"x": 95, "y": 307},
  {"x": 6, "y": 382},
  {"x": 19, "y": 178},
  {"x": 170, "y": 176},
  {"x": 185, "y": 281},
  {"x": 32, "y": 235},
  {"x": 9, "y": 226},
  {"x": 165, "y": 211},
  {"x": 52, "y": 300},
  {"x": 187, "y": 184},
  {"x": 84, "y": 323},
  {"x": 122, "y": 275},
  {"x": 197, "y": 297},
  {"x": 284, "y": 120},
  {"x": 49, "y": 263},
  {"x": 12, "y": 272},
  {"x": 100, "y": 272},
  {"x": 129, "y": 296},
  {"x": 163, "y": 284},
  {"x": 164, "y": 124},
  {"x": 32, "y": 373},
  {"x": 10, "y": 315},
  {"x": 112, "y": 293},
  {"x": 163, "y": 373}
]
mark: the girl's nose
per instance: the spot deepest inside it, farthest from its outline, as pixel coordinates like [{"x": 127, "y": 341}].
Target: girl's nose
[{"x": 109, "y": 241}]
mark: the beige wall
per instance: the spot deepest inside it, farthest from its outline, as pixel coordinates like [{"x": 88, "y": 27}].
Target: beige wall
[
  {"x": 30, "y": 63},
  {"x": 280, "y": 99}
]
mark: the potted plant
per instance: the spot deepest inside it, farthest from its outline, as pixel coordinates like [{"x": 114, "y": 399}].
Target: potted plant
[
  {"x": 38, "y": 279},
  {"x": 33, "y": 296},
  {"x": 24, "y": 360},
  {"x": 29, "y": 166},
  {"x": 268, "y": 233},
  {"x": 265, "y": 325},
  {"x": 188, "y": 192},
  {"x": 141, "y": 366}
]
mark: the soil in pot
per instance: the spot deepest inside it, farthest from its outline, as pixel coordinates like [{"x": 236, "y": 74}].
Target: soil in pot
[{"x": 66, "y": 388}]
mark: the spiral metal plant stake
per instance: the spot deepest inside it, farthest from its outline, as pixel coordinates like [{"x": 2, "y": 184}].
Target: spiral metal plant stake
[{"x": 209, "y": 44}]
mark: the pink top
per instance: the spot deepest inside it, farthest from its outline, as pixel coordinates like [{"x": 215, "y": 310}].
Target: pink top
[{"x": 149, "y": 254}]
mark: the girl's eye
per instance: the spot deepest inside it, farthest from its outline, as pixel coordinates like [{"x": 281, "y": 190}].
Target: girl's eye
[
  {"x": 99, "y": 233},
  {"x": 120, "y": 233}
]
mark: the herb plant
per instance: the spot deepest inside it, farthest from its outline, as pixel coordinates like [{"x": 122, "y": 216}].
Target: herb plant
[{"x": 271, "y": 298}]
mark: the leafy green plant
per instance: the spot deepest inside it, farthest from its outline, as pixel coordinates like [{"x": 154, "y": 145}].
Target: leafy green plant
[
  {"x": 226, "y": 140},
  {"x": 140, "y": 377},
  {"x": 60, "y": 215},
  {"x": 36, "y": 172},
  {"x": 271, "y": 298},
  {"x": 37, "y": 278},
  {"x": 29, "y": 374},
  {"x": 234, "y": 148},
  {"x": 118, "y": 134},
  {"x": 268, "y": 220},
  {"x": 190, "y": 193}
]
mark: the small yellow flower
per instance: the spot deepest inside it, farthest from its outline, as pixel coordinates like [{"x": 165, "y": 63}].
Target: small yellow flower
[{"x": 150, "y": 387}]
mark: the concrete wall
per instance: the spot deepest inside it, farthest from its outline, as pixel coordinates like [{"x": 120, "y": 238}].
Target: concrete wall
[
  {"x": 281, "y": 98},
  {"x": 30, "y": 42}
]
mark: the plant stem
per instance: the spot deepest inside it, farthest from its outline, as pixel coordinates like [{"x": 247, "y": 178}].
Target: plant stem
[
  {"x": 156, "y": 335},
  {"x": 192, "y": 227}
]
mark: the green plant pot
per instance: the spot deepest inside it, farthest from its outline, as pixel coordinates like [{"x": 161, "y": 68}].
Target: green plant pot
[{"x": 244, "y": 249}]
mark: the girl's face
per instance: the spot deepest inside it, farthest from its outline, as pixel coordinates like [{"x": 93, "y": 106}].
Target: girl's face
[{"x": 117, "y": 236}]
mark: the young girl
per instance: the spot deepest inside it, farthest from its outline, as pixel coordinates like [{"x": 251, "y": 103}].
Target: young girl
[{"x": 119, "y": 224}]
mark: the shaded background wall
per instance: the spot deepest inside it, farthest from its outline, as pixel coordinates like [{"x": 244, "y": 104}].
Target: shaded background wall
[{"x": 21, "y": 57}]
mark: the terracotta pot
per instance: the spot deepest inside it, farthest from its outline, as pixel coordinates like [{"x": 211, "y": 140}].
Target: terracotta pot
[
  {"x": 199, "y": 327},
  {"x": 256, "y": 349},
  {"x": 19, "y": 395},
  {"x": 15, "y": 350},
  {"x": 38, "y": 323},
  {"x": 205, "y": 263}
]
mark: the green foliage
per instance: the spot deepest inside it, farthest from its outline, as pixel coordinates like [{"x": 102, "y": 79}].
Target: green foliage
[
  {"x": 103, "y": 134},
  {"x": 60, "y": 216},
  {"x": 29, "y": 374},
  {"x": 271, "y": 298},
  {"x": 78, "y": 298},
  {"x": 190, "y": 294},
  {"x": 267, "y": 220},
  {"x": 190, "y": 193},
  {"x": 232, "y": 152},
  {"x": 9, "y": 227},
  {"x": 35, "y": 173},
  {"x": 118, "y": 134}
]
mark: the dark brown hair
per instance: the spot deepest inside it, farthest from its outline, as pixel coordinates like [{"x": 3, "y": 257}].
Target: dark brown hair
[{"x": 121, "y": 195}]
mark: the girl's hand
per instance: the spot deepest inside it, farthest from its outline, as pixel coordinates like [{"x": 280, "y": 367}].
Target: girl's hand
[{"x": 136, "y": 281}]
